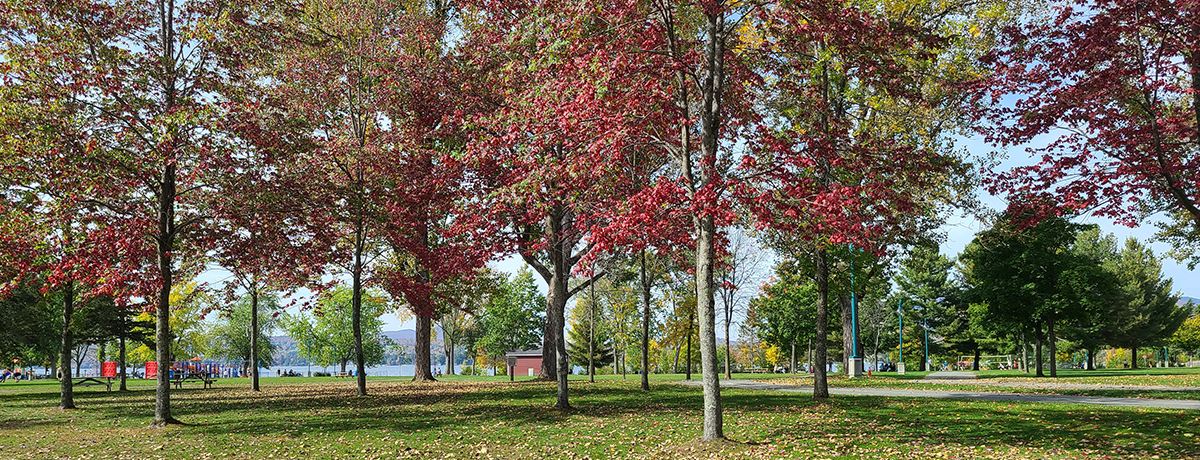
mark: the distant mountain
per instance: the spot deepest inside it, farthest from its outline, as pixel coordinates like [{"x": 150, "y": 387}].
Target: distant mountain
[
  {"x": 1185, "y": 300},
  {"x": 287, "y": 351}
]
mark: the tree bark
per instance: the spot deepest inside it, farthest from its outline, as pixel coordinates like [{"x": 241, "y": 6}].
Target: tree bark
[
  {"x": 713, "y": 429},
  {"x": 165, "y": 246},
  {"x": 1133, "y": 364},
  {"x": 67, "y": 390},
  {"x": 645, "y": 324},
  {"x": 356, "y": 308},
  {"x": 423, "y": 362},
  {"x": 254, "y": 337},
  {"x": 975, "y": 366},
  {"x": 1091, "y": 360},
  {"x": 728, "y": 372},
  {"x": 847, "y": 332},
  {"x": 820, "y": 377},
  {"x": 448, "y": 344},
  {"x": 592, "y": 336},
  {"x": 687, "y": 358},
  {"x": 1037, "y": 341},
  {"x": 121, "y": 363},
  {"x": 1053, "y": 348}
]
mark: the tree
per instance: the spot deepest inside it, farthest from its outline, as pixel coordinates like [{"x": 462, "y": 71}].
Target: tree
[
  {"x": 143, "y": 126},
  {"x": 1187, "y": 337},
  {"x": 738, "y": 270},
  {"x": 1116, "y": 83},
  {"x": 101, "y": 320},
  {"x": 513, "y": 319},
  {"x": 230, "y": 338},
  {"x": 1149, "y": 313},
  {"x": 328, "y": 335},
  {"x": 785, "y": 314},
  {"x": 925, "y": 282},
  {"x": 30, "y": 322},
  {"x": 1030, "y": 281},
  {"x": 581, "y": 339}
]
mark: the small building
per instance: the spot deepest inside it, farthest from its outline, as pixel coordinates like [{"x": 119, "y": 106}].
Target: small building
[{"x": 528, "y": 362}]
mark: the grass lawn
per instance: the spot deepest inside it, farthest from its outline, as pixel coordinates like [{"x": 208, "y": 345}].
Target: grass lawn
[{"x": 489, "y": 418}]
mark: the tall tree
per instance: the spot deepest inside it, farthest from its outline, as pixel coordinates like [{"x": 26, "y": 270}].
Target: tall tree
[
  {"x": 1117, "y": 84},
  {"x": 739, "y": 270},
  {"x": 234, "y": 335},
  {"x": 1149, "y": 313},
  {"x": 329, "y": 335},
  {"x": 513, "y": 319}
]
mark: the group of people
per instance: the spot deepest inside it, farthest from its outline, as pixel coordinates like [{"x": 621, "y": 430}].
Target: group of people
[
  {"x": 17, "y": 374},
  {"x": 287, "y": 373}
]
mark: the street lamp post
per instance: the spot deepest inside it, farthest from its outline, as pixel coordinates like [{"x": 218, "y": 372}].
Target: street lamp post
[{"x": 855, "y": 363}]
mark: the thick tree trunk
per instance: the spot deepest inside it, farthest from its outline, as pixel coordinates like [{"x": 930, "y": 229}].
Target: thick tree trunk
[
  {"x": 1091, "y": 360},
  {"x": 645, "y": 324},
  {"x": 165, "y": 246},
  {"x": 820, "y": 359},
  {"x": 67, "y": 390},
  {"x": 1053, "y": 348},
  {"x": 975, "y": 365},
  {"x": 675, "y": 368},
  {"x": 705, "y": 305},
  {"x": 423, "y": 362},
  {"x": 1133, "y": 364},
  {"x": 254, "y": 337}
]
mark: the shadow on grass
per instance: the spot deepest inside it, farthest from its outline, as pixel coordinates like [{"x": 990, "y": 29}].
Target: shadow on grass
[{"x": 506, "y": 412}]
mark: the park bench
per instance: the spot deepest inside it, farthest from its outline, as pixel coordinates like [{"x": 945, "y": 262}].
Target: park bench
[
  {"x": 341, "y": 374},
  {"x": 92, "y": 381},
  {"x": 757, "y": 370},
  {"x": 206, "y": 379}
]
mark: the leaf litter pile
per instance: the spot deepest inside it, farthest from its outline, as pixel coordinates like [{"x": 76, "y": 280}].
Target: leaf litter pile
[{"x": 611, "y": 419}]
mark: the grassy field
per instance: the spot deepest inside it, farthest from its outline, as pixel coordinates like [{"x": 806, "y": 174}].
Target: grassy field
[
  {"x": 489, "y": 418},
  {"x": 1183, "y": 382}
]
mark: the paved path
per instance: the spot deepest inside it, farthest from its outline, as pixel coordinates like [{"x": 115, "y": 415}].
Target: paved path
[
  {"x": 950, "y": 375},
  {"x": 984, "y": 396}
]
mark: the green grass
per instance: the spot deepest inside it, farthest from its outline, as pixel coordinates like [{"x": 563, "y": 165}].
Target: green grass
[
  {"x": 1185, "y": 381},
  {"x": 462, "y": 418}
]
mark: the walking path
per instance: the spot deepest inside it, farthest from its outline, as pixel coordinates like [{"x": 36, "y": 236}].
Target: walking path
[{"x": 984, "y": 396}]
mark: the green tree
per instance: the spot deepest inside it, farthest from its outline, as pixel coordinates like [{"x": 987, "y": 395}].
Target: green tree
[
  {"x": 784, "y": 315},
  {"x": 100, "y": 321},
  {"x": 32, "y": 325},
  {"x": 327, "y": 335},
  {"x": 931, "y": 297},
  {"x": 1026, "y": 280},
  {"x": 1187, "y": 337},
  {"x": 1149, "y": 313},
  {"x": 512, "y": 320},
  {"x": 229, "y": 337},
  {"x": 579, "y": 336}
]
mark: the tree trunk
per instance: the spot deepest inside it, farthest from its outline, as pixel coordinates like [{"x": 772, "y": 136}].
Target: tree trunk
[
  {"x": 820, "y": 378},
  {"x": 254, "y": 337},
  {"x": 423, "y": 362},
  {"x": 792, "y": 365},
  {"x": 847, "y": 332},
  {"x": 1053, "y": 348},
  {"x": 1037, "y": 342},
  {"x": 1133, "y": 357},
  {"x": 705, "y": 289},
  {"x": 448, "y": 344},
  {"x": 121, "y": 363},
  {"x": 687, "y": 358},
  {"x": 645, "y": 324},
  {"x": 1091, "y": 359},
  {"x": 592, "y": 336},
  {"x": 67, "y": 390},
  {"x": 975, "y": 366},
  {"x": 356, "y": 312},
  {"x": 675, "y": 369},
  {"x": 728, "y": 353},
  {"x": 165, "y": 246}
]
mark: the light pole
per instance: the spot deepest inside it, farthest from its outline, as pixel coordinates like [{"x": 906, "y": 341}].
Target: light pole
[{"x": 855, "y": 367}]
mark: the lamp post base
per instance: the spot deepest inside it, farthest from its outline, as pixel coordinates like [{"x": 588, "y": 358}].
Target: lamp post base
[
  {"x": 900, "y": 368},
  {"x": 855, "y": 369}
]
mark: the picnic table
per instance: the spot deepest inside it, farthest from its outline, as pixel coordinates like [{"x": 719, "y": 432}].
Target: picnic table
[
  {"x": 192, "y": 376},
  {"x": 92, "y": 381}
]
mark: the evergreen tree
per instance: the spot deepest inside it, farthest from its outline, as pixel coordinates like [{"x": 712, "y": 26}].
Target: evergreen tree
[
  {"x": 1149, "y": 313},
  {"x": 931, "y": 297},
  {"x": 577, "y": 343}
]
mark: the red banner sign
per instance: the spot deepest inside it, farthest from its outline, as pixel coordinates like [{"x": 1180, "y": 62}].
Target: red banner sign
[
  {"x": 108, "y": 369},
  {"x": 152, "y": 369}
]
